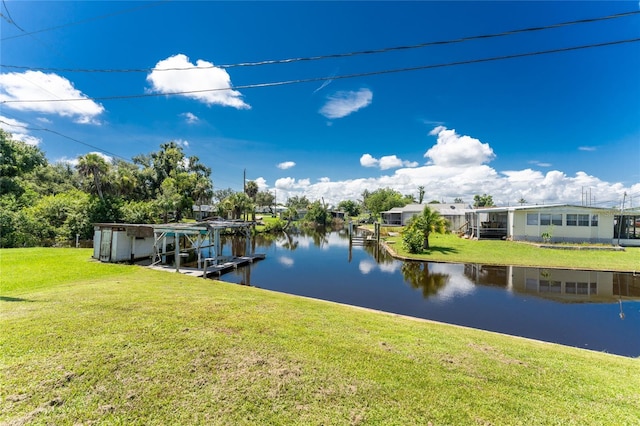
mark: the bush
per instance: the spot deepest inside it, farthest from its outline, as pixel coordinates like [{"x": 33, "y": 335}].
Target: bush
[
  {"x": 412, "y": 240},
  {"x": 276, "y": 225}
]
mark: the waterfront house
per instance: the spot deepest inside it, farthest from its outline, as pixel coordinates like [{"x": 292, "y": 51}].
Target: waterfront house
[
  {"x": 453, "y": 213},
  {"x": 554, "y": 223}
]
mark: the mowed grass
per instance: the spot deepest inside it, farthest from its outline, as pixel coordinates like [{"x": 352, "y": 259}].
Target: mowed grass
[
  {"x": 451, "y": 248},
  {"x": 91, "y": 343}
]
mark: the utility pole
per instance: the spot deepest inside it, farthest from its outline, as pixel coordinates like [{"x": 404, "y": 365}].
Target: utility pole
[{"x": 621, "y": 217}]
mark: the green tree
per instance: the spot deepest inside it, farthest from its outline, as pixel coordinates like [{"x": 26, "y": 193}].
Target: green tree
[
  {"x": 458, "y": 201},
  {"x": 51, "y": 179},
  {"x": 62, "y": 216},
  {"x": 427, "y": 222},
  {"x": 384, "y": 199},
  {"x": 298, "y": 203},
  {"x": 237, "y": 205},
  {"x": 350, "y": 207},
  {"x": 16, "y": 160},
  {"x": 420, "y": 194},
  {"x": 418, "y": 275},
  {"x": 169, "y": 199},
  {"x": 483, "y": 200},
  {"x": 251, "y": 189},
  {"x": 94, "y": 168},
  {"x": 140, "y": 212},
  {"x": 412, "y": 240},
  {"x": 265, "y": 199},
  {"x": 318, "y": 213}
]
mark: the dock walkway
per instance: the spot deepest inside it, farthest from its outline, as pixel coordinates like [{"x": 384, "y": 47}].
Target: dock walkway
[{"x": 212, "y": 270}]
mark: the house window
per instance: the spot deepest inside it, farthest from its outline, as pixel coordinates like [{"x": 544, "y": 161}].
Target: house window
[
  {"x": 583, "y": 220},
  {"x": 572, "y": 220},
  {"x": 531, "y": 284},
  {"x": 545, "y": 219},
  {"x": 594, "y": 220},
  {"x": 550, "y": 219},
  {"x": 532, "y": 218}
]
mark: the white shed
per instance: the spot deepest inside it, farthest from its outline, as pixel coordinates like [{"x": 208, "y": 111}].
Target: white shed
[{"x": 121, "y": 242}]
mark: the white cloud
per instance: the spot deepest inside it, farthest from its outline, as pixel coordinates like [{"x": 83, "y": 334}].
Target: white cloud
[
  {"x": 286, "y": 165},
  {"x": 446, "y": 180},
  {"x": 286, "y": 261},
  {"x": 366, "y": 266},
  {"x": 393, "y": 162},
  {"x": 74, "y": 161},
  {"x": 204, "y": 81},
  {"x": 324, "y": 179},
  {"x": 367, "y": 160},
  {"x": 454, "y": 150},
  {"x": 18, "y": 131},
  {"x": 386, "y": 162},
  {"x": 540, "y": 163},
  {"x": 587, "y": 148},
  {"x": 182, "y": 143},
  {"x": 262, "y": 183},
  {"x": 190, "y": 117},
  {"x": 36, "y": 85},
  {"x": 344, "y": 103},
  {"x": 292, "y": 183}
]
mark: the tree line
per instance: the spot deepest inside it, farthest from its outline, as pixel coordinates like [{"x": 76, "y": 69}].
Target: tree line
[{"x": 45, "y": 204}]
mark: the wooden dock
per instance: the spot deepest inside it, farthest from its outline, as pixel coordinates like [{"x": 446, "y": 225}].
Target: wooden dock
[
  {"x": 362, "y": 240},
  {"x": 212, "y": 270}
]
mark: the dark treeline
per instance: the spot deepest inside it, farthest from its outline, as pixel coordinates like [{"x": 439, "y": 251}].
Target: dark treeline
[{"x": 44, "y": 204}]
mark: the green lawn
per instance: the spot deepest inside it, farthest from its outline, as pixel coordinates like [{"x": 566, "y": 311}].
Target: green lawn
[
  {"x": 451, "y": 248},
  {"x": 90, "y": 343}
]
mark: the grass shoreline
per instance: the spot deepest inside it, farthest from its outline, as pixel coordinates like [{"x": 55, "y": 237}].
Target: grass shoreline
[
  {"x": 452, "y": 249},
  {"x": 85, "y": 342}
]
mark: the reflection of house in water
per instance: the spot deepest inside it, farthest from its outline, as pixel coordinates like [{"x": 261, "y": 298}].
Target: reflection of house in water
[{"x": 560, "y": 284}]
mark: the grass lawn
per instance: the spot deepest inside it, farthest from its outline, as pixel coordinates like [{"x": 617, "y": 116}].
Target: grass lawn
[
  {"x": 451, "y": 248},
  {"x": 90, "y": 343}
]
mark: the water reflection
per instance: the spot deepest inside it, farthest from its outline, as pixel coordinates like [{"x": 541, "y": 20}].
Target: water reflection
[
  {"x": 420, "y": 276},
  {"x": 590, "y": 309}
]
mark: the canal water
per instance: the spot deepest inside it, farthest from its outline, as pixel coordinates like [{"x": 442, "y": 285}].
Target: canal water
[{"x": 587, "y": 309}]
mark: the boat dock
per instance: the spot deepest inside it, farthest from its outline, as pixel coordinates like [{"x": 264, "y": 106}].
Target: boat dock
[{"x": 209, "y": 270}]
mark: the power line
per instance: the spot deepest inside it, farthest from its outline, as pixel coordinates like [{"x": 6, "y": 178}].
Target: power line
[
  {"x": 339, "y": 77},
  {"x": 336, "y": 55},
  {"x": 9, "y": 19},
  {"x": 42, "y": 129},
  {"x": 83, "y": 21}
]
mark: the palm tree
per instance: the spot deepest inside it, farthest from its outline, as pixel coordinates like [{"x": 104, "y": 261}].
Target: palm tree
[
  {"x": 238, "y": 203},
  {"x": 427, "y": 222},
  {"x": 418, "y": 275},
  {"x": 251, "y": 189},
  {"x": 93, "y": 166}
]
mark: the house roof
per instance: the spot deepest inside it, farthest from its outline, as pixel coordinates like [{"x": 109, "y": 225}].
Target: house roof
[
  {"x": 537, "y": 207},
  {"x": 443, "y": 208}
]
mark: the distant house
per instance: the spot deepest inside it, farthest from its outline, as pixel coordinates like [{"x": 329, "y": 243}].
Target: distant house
[
  {"x": 626, "y": 228},
  {"x": 558, "y": 223},
  {"x": 454, "y": 213}
]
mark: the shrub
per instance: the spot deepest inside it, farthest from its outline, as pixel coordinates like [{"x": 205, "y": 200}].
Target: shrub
[
  {"x": 412, "y": 240},
  {"x": 276, "y": 225}
]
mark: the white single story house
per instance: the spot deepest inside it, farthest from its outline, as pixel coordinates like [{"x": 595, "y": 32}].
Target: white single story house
[
  {"x": 556, "y": 223},
  {"x": 454, "y": 213}
]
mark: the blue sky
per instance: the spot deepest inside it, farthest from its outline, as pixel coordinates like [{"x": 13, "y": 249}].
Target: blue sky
[{"x": 546, "y": 128}]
